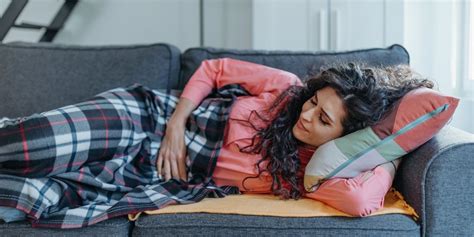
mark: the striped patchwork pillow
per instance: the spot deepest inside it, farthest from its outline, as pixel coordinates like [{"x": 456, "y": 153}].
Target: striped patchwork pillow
[{"x": 414, "y": 120}]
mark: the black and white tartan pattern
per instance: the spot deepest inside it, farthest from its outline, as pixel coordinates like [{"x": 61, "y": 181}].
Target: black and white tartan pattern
[{"x": 84, "y": 163}]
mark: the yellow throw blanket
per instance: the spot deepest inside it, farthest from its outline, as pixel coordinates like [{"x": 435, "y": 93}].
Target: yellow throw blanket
[{"x": 270, "y": 205}]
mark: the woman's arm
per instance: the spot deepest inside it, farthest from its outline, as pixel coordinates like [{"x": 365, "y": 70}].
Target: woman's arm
[
  {"x": 358, "y": 196},
  {"x": 215, "y": 73},
  {"x": 183, "y": 110},
  {"x": 255, "y": 78}
]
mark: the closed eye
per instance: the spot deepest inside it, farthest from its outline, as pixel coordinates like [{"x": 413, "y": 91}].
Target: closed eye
[
  {"x": 320, "y": 116},
  {"x": 322, "y": 121},
  {"x": 314, "y": 99}
]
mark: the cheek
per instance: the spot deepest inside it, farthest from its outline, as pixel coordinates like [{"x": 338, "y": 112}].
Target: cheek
[
  {"x": 324, "y": 135},
  {"x": 321, "y": 134},
  {"x": 315, "y": 132}
]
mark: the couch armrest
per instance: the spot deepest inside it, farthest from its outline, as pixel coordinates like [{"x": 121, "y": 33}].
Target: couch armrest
[{"x": 437, "y": 180}]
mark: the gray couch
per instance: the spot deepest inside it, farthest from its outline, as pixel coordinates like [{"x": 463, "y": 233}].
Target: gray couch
[{"x": 436, "y": 179}]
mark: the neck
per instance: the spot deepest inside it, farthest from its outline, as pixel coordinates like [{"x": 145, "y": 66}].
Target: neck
[{"x": 307, "y": 146}]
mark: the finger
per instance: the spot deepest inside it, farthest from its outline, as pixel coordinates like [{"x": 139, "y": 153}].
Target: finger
[
  {"x": 174, "y": 169},
  {"x": 159, "y": 163},
  {"x": 167, "y": 169},
  {"x": 182, "y": 169}
]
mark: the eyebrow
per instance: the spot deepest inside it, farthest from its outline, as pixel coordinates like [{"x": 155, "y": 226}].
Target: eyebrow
[{"x": 330, "y": 119}]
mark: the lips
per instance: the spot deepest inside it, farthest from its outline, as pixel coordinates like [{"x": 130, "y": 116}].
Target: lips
[{"x": 299, "y": 124}]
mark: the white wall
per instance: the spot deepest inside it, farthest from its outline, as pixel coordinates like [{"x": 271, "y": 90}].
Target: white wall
[
  {"x": 228, "y": 24},
  {"x": 105, "y": 22},
  {"x": 108, "y": 22},
  {"x": 285, "y": 25},
  {"x": 144, "y": 21}
]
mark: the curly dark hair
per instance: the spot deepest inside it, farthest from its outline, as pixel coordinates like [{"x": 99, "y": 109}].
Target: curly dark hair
[{"x": 368, "y": 93}]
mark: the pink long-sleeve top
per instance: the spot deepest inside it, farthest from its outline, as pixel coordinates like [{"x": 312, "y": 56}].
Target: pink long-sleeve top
[{"x": 358, "y": 196}]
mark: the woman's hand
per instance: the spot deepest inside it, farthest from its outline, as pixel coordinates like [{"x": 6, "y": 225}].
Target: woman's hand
[
  {"x": 172, "y": 156},
  {"x": 171, "y": 160}
]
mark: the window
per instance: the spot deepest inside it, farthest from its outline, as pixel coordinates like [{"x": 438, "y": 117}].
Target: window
[
  {"x": 467, "y": 55},
  {"x": 470, "y": 74}
]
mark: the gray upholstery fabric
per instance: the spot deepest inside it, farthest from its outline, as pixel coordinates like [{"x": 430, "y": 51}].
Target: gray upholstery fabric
[
  {"x": 299, "y": 63},
  {"x": 114, "y": 227},
  {"x": 437, "y": 180},
  {"x": 204, "y": 224},
  {"x": 39, "y": 77}
]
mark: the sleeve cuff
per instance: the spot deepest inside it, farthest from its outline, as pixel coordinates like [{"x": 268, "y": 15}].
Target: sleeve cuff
[{"x": 196, "y": 92}]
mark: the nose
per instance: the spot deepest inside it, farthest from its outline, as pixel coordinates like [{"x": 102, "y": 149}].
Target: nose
[{"x": 308, "y": 114}]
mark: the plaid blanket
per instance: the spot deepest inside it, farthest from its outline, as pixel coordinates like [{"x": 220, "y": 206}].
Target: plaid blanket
[{"x": 84, "y": 163}]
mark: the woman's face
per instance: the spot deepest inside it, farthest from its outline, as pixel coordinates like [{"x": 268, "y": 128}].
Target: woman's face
[{"x": 320, "y": 118}]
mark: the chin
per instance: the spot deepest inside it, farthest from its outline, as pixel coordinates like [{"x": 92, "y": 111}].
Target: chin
[{"x": 296, "y": 133}]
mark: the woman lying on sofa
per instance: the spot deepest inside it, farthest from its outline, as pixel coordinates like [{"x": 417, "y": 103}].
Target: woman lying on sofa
[{"x": 128, "y": 138}]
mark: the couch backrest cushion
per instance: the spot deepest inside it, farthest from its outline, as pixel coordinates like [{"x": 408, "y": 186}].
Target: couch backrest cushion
[
  {"x": 299, "y": 63},
  {"x": 40, "y": 77}
]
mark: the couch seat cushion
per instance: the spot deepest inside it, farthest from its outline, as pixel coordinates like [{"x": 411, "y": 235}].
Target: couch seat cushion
[
  {"x": 203, "y": 224},
  {"x": 119, "y": 226}
]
